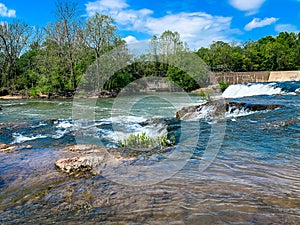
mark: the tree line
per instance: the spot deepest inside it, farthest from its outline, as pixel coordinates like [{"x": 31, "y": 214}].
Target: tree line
[
  {"x": 56, "y": 58},
  {"x": 266, "y": 54}
]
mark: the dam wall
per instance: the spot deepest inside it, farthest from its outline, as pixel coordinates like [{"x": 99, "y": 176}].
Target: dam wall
[
  {"x": 284, "y": 76},
  {"x": 259, "y": 76},
  {"x": 242, "y": 77}
]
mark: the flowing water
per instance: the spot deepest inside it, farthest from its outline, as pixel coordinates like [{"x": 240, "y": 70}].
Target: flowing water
[{"x": 252, "y": 179}]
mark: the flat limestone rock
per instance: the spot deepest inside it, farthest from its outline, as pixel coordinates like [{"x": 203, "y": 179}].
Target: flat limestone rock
[
  {"x": 7, "y": 148},
  {"x": 92, "y": 160},
  {"x": 86, "y": 149},
  {"x": 79, "y": 164},
  {"x": 89, "y": 157}
]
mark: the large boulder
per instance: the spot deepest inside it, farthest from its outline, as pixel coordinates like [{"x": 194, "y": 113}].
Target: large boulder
[
  {"x": 219, "y": 109},
  {"x": 207, "y": 110}
]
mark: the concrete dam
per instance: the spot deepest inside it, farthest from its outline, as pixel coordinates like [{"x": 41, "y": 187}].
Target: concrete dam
[{"x": 260, "y": 76}]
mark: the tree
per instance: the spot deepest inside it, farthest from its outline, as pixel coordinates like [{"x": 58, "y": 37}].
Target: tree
[
  {"x": 27, "y": 70},
  {"x": 170, "y": 45},
  {"x": 154, "y": 54},
  {"x": 268, "y": 53},
  {"x": 14, "y": 39},
  {"x": 65, "y": 34},
  {"x": 221, "y": 56},
  {"x": 100, "y": 35}
]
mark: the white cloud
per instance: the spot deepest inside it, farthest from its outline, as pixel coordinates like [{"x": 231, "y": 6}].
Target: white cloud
[
  {"x": 286, "y": 28},
  {"x": 5, "y": 12},
  {"x": 256, "y": 23},
  {"x": 131, "y": 19},
  {"x": 250, "y": 6},
  {"x": 130, "y": 39},
  {"x": 120, "y": 11},
  {"x": 197, "y": 29},
  {"x": 104, "y": 5}
]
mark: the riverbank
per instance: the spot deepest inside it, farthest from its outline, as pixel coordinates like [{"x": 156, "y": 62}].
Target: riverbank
[
  {"x": 217, "y": 77},
  {"x": 10, "y": 97}
]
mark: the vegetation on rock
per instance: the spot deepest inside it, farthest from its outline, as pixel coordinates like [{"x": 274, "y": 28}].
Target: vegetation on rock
[{"x": 143, "y": 141}]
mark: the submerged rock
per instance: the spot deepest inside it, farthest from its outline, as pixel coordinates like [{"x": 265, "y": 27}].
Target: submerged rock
[
  {"x": 7, "y": 148},
  {"x": 90, "y": 160},
  {"x": 86, "y": 149},
  {"x": 51, "y": 120}
]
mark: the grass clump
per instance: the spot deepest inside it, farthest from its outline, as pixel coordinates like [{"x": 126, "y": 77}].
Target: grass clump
[{"x": 143, "y": 141}]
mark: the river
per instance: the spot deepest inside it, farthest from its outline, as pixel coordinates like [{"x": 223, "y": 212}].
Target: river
[{"x": 251, "y": 177}]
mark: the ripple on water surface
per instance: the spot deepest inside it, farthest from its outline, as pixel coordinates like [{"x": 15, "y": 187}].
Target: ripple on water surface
[{"x": 253, "y": 180}]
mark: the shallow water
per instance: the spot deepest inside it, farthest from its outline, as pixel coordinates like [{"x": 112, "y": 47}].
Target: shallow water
[{"x": 254, "y": 178}]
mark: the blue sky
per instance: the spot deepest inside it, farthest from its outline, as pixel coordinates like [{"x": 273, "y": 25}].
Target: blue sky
[{"x": 199, "y": 22}]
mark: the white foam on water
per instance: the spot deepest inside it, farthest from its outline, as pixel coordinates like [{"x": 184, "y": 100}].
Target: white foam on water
[
  {"x": 59, "y": 134},
  {"x": 242, "y": 90},
  {"x": 127, "y": 119},
  {"x": 19, "y": 138},
  {"x": 41, "y": 124},
  {"x": 125, "y": 126},
  {"x": 64, "y": 124},
  {"x": 62, "y": 127},
  {"x": 13, "y": 104},
  {"x": 204, "y": 113},
  {"x": 234, "y": 112},
  {"x": 208, "y": 112}
]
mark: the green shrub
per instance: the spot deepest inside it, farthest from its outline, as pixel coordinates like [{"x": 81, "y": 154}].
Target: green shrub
[
  {"x": 223, "y": 85},
  {"x": 34, "y": 91},
  {"x": 142, "y": 141}
]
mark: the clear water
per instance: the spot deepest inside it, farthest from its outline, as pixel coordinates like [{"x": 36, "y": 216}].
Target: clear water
[{"x": 254, "y": 178}]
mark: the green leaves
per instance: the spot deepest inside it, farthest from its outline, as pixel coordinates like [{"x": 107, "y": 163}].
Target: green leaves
[
  {"x": 266, "y": 54},
  {"x": 72, "y": 52},
  {"x": 223, "y": 85}
]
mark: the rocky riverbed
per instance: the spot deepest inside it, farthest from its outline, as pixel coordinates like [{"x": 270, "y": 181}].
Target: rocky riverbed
[
  {"x": 45, "y": 178},
  {"x": 89, "y": 160}
]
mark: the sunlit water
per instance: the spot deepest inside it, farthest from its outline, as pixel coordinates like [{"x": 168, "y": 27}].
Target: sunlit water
[{"x": 254, "y": 178}]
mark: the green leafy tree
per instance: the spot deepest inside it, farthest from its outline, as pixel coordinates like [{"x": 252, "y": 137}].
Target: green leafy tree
[
  {"x": 14, "y": 38},
  {"x": 100, "y": 35},
  {"x": 64, "y": 36}
]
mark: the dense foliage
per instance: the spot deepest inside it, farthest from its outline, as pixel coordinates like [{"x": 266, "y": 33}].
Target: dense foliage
[
  {"x": 267, "y": 54},
  {"x": 52, "y": 60}
]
